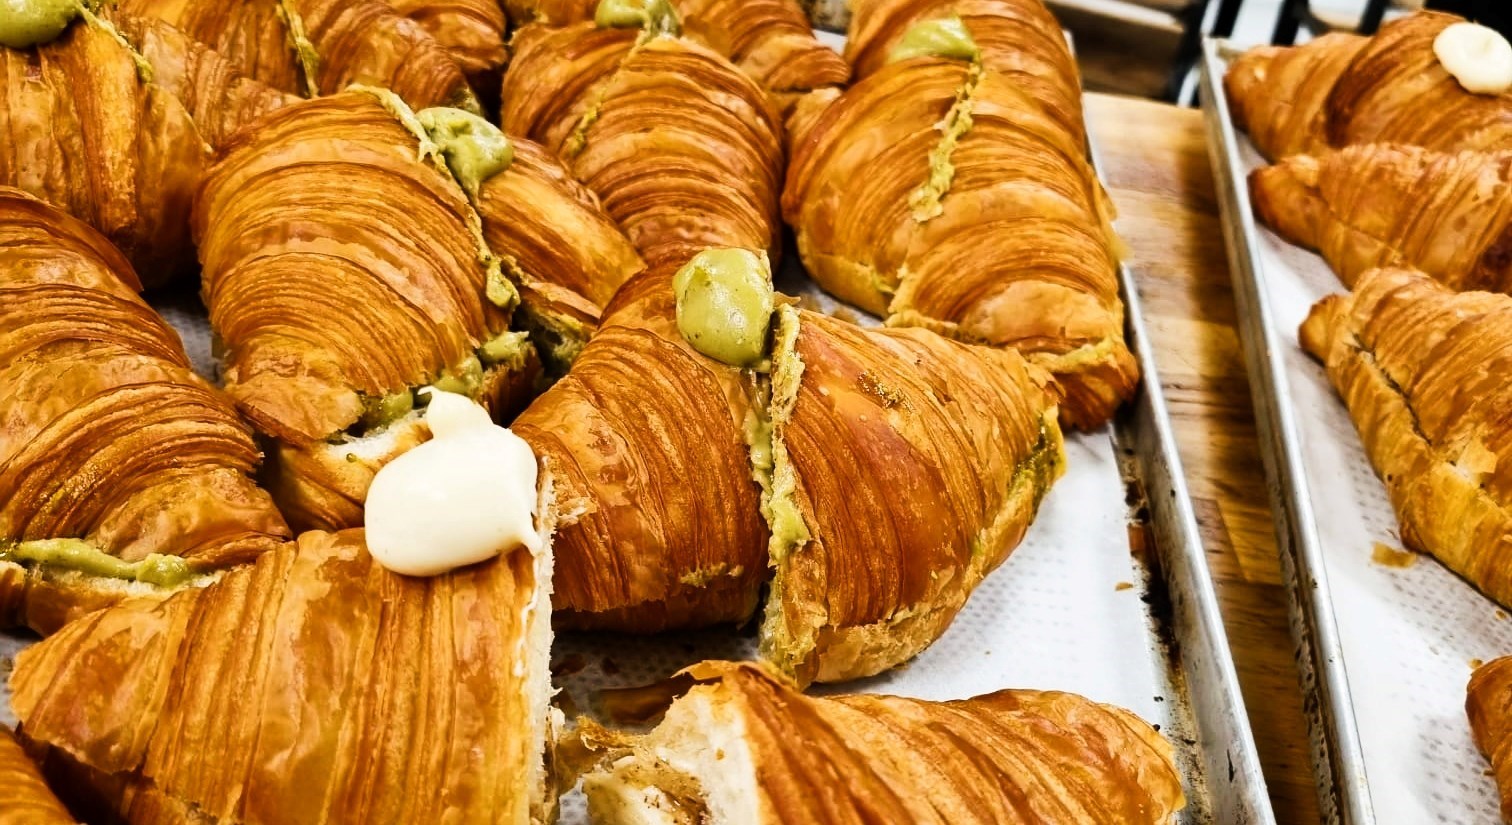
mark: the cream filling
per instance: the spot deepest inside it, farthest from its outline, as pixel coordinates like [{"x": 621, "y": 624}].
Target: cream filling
[
  {"x": 304, "y": 50},
  {"x": 926, "y": 200}
]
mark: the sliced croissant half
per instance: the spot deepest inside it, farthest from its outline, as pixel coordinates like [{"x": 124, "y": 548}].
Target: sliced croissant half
[
  {"x": 1342, "y": 90},
  {"x": 343, "y": 272},
  {"x": 905, "y": 467},
  {"x": 743, "y": 747},
  {"x": 121, "y": 471},
  {"x": 1422, "y": 370},
  {"x": 1447, "y": 215},
  {"x": 25, "y": 798},
  {"x": 683, "y": 149},
  {"x": 1488, "y": 704},
  {"x": 312, "y": 686},
  {"x": 937, "y": 194}
]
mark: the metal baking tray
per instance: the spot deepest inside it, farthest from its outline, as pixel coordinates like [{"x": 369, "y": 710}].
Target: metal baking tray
[{"x": 1393, "y": 746}]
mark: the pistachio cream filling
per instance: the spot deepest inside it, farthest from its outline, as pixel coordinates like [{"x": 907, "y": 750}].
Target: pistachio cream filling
[
  {"x": 507, "y": 350},
  {"x": 945, "y": 37},
  {"x": 27, "y": 23},
  {"x": 304, "y": 50},
  {"x": 475, "y": 150},
  {"x": 654, "y": 18},
  {"x": 779, "y": 505},
  {"x": 143, "y": 67},
  {"x": 724, "y": 305},
  {"x": 81, "y": 556}
]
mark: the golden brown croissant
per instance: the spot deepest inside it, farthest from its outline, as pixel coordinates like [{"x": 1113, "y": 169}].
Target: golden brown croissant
[
  {"x": 313, "y": 686},
  {"x": 121, "y": 471},
  {"x": 1448, "y": 215},
  {"x": 742, "y": 747},
  {"x": 472, "y": 31},
  {"x": 1488, "y": 703},
  {"x": 342, "y": 272},
  {"x": 1343, "y": 90},
  {"x": 1421, "y": 369},
  {"x": 81, "y": 128},
  {"x": 680, "y": 146},
  {"x": 935, "y": 193},
  {"x": 25, "y": 798},
  {"x": 647, "y": 440},
  {"x": 912, "y": 466},
  {"x": 310, "y": 47},
  {"x": 1018, "y": 38}
]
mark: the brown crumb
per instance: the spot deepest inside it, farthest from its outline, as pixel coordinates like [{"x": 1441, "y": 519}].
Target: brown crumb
[
  {"x": 1501, "y": 615},
  {"x": 846, "y": 314},
  {"x": 1476, "y": 663},
  {"x": 1388, "y": 556},
  {"x": 1124, "y": 586}
]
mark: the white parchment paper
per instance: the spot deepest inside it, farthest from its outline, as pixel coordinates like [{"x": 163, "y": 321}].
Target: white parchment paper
[{"x": 1409, "y": 635}]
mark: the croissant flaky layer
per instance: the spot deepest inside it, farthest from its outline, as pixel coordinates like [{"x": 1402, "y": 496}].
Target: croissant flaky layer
[
  {"x": 106, "y": 435},
  {"x": 25, "y": 798},
  {"x": 934, "y": 192},
  {"x": 683, "y": 149},
  {"x": 647, "y": 440},
  {"x": 1342, "y": 90},
  {"x": 744, "y": 747},
  {"x": 1488, "y": 704},
  {"x": 81, "y": 129},
  {"x": 916, "y": 465},
  {"x": 1421, "y": 369},
  {"x": 313, "y": 686},
  {"x": 1447, "y": 215}
]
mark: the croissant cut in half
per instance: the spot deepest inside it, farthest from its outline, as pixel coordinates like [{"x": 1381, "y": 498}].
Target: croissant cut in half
[
  {"x": 121, "y": 471},
  {"x": 1342, "y": 90},
  {"x": 935, "y": 193},
  {"x": 312, "y": 686},
  {"x": 1421, "y": 368},
  {"x": 682, "y": 149},
  {"x": 1488, "y": 704},
  {"x": 25, "y": 798},
  {"x": 1447, "y": 215},
  {"x": 746, "y": 748},
  {"x": 342, "y": 271}
]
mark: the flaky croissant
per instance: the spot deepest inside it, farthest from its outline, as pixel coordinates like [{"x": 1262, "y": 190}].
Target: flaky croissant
[
  {"x": 1343, "y": 90},
  {"x": 680, "y": 146},
  {"x": 912, "y": 466},
  {"x": 1018, "y": 38},
  {"x": 25, "y": 798},
  {"x": 1421, "y": 369},
  {"x": 342, "y": 272},
  {"x": 310, "y": 47},
  {"x": 471, "y": 31},
  {"x": 744, "y": 748},
  {"x": 936, "y": 193},
  {"x": 1488, "y": 704},
  {"x": 1447, "y": 215},
  {"x": 313, "y": 686},
  {"x": 121, "y": 471}
]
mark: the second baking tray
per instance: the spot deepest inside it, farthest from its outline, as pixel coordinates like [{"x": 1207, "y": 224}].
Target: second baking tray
[{"x": 1385, "y": 650}]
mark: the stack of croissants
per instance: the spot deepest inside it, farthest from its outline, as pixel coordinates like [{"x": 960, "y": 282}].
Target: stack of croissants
[
  {"x": 1392, "y": 158},
  {"x": 386, "y": 199}
]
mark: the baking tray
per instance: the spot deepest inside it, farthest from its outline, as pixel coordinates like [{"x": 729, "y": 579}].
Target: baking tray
[
  {"x": 1109, "y": 596},
  {"x": 1384, "y": 652}
]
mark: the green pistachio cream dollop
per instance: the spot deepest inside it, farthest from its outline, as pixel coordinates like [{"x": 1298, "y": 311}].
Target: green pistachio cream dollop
[
  {"x": 75, "y": 554},
  {"x": 475, "y": 150},
  {"x": 945, "y": 37},
  {"x": 657, "y": 15},
  {"x": 27, "y": 23},
  {"x": 724, "y": 304}
]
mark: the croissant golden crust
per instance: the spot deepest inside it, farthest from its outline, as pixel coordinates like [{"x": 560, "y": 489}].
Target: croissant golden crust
[
  {"x": 1419, "y": 368},
  {"x": 106, "y": 435},
  {"x": 1447, "y": 215},
  {"x": 310, "y": 686},
  {"x": 1488, "y": 704},
  {"x": 25, "y": 798},
  {"x": 744, "y": 747}
]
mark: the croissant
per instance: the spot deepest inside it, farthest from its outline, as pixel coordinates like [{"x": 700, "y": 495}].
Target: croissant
[
  {"x": 121, "y": 472},
  {"x": 341, "y": 273},
  {"x": 25, "y": 798},
  {"x": 915, "y": 465},
  {"x": 313, "y": 47},
  {"x": 682, "y": 149},
  {"x": 741, "y": 746},
  {"x": 312, "y": 686},
  {"x": 1420, "y": 368},
  {"x": 1345, "y": 90},
  {"x": 1018, "y": 38},
  {"x": 1447, "y": 215},
  {"x": 935, "y": 193},
  {"x": 471, "y": 31},
  {"x": 1488, "y": 701}
]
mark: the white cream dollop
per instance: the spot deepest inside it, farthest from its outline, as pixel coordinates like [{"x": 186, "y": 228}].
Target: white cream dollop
[
  {"x": 463, "y": 497},
  {"x": 1478, "y": 57}
]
